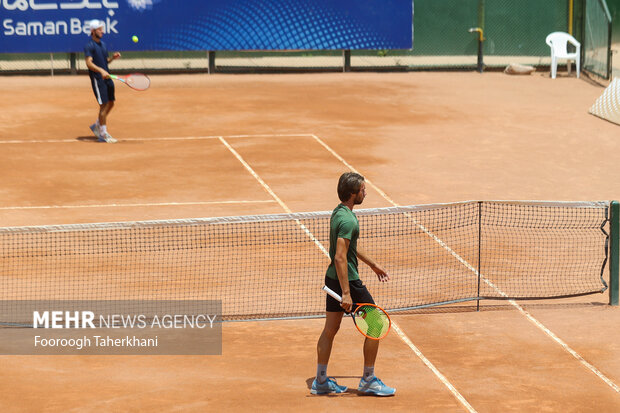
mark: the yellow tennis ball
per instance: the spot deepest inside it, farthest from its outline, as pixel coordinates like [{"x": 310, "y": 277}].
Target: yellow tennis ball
[{"x": 134, "y": 39}]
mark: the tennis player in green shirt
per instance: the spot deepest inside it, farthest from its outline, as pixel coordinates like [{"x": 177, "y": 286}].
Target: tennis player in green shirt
[{"x": 343, "y": 278}]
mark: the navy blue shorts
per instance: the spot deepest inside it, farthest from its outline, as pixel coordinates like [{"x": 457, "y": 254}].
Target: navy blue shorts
[
  {"x": 103, "y": 90},
  {"x": 359, "y": 294}
]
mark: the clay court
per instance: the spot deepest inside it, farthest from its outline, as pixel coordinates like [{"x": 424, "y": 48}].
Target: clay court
[{"x": 225, "y": 145}]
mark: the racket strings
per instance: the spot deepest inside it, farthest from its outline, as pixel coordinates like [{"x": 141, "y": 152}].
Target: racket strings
[
  {"x": 139, "y": 82},
  {"x": 372, "y": 321}
]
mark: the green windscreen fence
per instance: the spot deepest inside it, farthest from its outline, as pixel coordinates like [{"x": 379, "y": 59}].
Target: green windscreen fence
[
  {"x": 519, "y": 28},
  {"x": 597, "y": 38}
]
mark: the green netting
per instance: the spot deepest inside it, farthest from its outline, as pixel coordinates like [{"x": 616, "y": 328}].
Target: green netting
[{"x": 597, "y": 38}]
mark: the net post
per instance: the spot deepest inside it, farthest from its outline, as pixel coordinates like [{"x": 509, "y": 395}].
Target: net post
[
  {"x": 479, "y": 248},
  {"x": 614, "y": 252}
]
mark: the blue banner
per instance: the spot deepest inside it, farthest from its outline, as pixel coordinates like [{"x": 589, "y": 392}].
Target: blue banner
[{"x": 29, "y": 26}]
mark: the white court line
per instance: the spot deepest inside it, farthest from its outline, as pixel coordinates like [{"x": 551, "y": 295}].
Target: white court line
[
  {"x": 531, "y": 318},
  {"x": 42, "y": 141},
  {"x": 565, "y": 346},
  {"x": 434, "y": 369},
  {"x": 255, "y": 175},
  {"x": 277, "y": 135},
  {"x": 398, "y": 330},
  {"x": 194, "y": 138},
  {"x": 273, "y": 194},
  {"x": 172, "y": 138},
  {"x": 135, "y": 205}
]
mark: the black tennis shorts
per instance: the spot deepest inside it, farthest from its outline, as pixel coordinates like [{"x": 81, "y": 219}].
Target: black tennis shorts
[
  {"x": 359, "y": 294},
  {"x": 103, "y": 90}
]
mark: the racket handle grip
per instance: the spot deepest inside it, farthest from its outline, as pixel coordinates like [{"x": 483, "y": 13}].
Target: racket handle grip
[{"x": 332, "y": 293}]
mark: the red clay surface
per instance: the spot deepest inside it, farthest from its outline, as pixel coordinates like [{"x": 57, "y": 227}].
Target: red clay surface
[{"x": 420, "y": 137}]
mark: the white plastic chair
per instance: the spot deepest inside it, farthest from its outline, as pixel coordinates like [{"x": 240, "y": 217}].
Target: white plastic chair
[{"x": 558, "y": 42}]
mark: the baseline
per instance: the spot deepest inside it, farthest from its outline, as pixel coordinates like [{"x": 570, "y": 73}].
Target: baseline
[
  {"x": 134, "y": 205},
  {"x": 172, "y": 138}
]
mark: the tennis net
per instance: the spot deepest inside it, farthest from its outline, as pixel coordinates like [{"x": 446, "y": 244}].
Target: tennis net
[{"x": 273, "y": 266}]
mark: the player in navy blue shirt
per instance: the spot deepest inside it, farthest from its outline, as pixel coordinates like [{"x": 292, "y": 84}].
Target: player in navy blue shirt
[{"x": 97, "y": 60}]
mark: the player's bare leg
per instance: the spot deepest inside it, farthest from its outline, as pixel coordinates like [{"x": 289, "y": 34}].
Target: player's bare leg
[
  {"x": 322, "y": 384},
  {"x": 371, "y": 348},
  {"x": 324, "y": 345},
  {"x": 104, "y": 110}
]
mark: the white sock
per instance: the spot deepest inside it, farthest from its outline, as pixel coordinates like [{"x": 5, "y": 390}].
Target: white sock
[
  {"x": 369, "y": 373},
  {"x": 102, "y": 129},
  {"x": 321, "y": 373}
]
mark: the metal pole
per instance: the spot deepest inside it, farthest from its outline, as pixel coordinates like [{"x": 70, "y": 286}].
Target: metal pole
[
  {"x": 571, "y": 6},
  {"x": 480, "y": 66},
  {"x": 614, "y": 253},
  {"x": 480, "y": 62},
  {"x": 481, "y": 38},
  {"x": 211, "y": 62},
  {"x": 583, "y": 34},
  {"x": 73, "y": 58},
  {"x": 346, "y": 66},
  {"x": 609, "y": 67}
]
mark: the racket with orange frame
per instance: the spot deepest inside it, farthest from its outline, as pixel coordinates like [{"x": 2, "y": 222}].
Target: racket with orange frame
[
  {"x": 370, "y": 319},
  {"x": 136, "y": 81}
]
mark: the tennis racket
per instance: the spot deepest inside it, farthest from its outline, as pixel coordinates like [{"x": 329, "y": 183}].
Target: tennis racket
[
  {"x": 371, "y": 320},
  {"x": 136, "y": 81}
]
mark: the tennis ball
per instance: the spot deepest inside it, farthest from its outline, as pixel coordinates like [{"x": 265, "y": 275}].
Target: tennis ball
[{"x": 134, "y": 39}]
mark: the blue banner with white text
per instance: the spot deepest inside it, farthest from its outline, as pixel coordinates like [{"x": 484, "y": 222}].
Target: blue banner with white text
[{"x": 37, "y": 26}]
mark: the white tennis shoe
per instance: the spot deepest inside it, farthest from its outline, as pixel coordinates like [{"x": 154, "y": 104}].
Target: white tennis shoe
[
  {"x": 95, "y": 130},
  {"x": 108, "y": 138}
]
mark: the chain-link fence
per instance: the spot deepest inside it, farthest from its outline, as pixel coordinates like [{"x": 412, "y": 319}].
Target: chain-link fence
[
  {"x": 446, "y": 36},
  {"x": 597, "y": 38}
]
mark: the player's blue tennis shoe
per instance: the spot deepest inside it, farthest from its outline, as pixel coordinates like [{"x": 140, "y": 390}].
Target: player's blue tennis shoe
[
  {"x": 329, "y": 386},
  {"x": 375, "y": 387}
]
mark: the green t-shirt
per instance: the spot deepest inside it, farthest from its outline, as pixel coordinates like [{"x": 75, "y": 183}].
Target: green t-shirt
[{"x": 343, "y": 224}]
